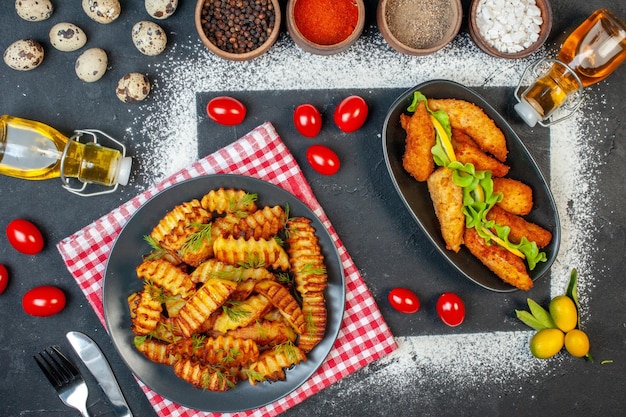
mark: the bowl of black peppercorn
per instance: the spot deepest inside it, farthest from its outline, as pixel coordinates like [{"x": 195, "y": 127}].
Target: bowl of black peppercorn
[{"x": 238, "y": 30}]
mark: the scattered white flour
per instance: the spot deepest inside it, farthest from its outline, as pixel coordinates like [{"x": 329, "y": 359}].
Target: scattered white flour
[{"x": 501, "y": 357}]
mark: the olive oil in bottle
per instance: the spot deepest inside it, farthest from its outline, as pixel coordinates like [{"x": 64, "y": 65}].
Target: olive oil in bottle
[
  {"x": 589, "y": 54},
  {"x": 35, "y": 151}
]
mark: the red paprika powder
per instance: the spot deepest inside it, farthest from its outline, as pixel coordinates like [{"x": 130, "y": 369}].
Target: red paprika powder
[{"x": 326, "y": 22}]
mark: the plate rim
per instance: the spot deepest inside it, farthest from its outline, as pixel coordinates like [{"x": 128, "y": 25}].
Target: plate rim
[
  {"x": 267, "y": 391},
  {"x": 501, "y": 287}
]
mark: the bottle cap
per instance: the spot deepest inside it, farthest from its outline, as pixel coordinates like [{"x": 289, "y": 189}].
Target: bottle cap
[
  {"x": 124, "y": 170},
  {"x": 527, "y": 113}
]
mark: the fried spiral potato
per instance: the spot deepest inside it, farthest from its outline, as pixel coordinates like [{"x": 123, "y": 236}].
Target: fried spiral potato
[
  {"x": 224, "y": 351},
  {"x": 305, "y": 256},
  {"x": 261, "y": 224},
  {"x": 203, "y": 303},
  {"x": 265, "y": 333},
  {"x": 314, "y": 310},
  {"x": 307, "y": 264},
  {"x": 167, "y": 276},
  {"x": 146, "y": 309},
  {"x": 259, "y": 252},
  {"x": 220, "y": 291},
  {"x": 155, "y": 350},
  {"x": 204, "y": 377},
  {"x": 172, "y": 230},
  {"x": 242, "y": 313},
  {"x": 212, "y": 268},
  {"x": 269, "y": 366},
  {"x": 229, "y": 200},
  {"x": 281, "y": 298}
]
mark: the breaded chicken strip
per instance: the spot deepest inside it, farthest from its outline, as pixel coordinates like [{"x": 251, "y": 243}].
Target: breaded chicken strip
[
  {"x": 448, "y": 202},
  {"x": 420, "y": 138},
  {"x": 517, "y": 197},
  {"x": 467, "y": 151},
  {"x": 509, "y": 267},
  {"x": 520, "y": 227},
  {"x": 472, "y": 120}
]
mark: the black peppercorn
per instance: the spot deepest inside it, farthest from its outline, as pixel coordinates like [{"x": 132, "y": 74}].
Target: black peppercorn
[{"x": 237, "y": 26}]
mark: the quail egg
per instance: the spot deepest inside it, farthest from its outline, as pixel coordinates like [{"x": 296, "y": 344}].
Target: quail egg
[
  {"x": 102, "y": 11},
  {"x": 91, "y": 65},
  {"x": 34, "y": 10},
  {"x": 133, "y": 87},
  {"x": 161, "y": 9},
  {"x": 149, "y": 38},
  {"x": 67, "y": 37},
  {"x": 24, "y": 55}
]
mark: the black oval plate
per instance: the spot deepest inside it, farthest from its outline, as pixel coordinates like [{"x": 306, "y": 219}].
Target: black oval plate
[
  {"x": 417, "y": 199},
  {"x": 120, "y": 281}
]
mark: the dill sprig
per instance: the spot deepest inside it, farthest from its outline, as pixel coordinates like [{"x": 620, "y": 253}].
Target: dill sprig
[
  {"x": 157, "y": 251},
  {"x": 197, "y": 342},
  {"x": 253, "y": 261},
  {"x": 289, "y": 349},
  {"x": 254, "y": 375},
  {"x": 237, "y": 206},
  {"x": 312, "y": 269},
  {"x": 195, "y": 240},
  {"x": 233, "y": 312}
]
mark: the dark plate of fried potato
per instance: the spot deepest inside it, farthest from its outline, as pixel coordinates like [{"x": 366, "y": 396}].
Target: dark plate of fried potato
[
  {"x": 121, "y": 281},
  {"x": 415, "y": 194}
]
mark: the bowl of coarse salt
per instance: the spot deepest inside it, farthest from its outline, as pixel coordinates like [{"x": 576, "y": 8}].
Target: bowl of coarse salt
[{"x": 510, "y": 28}]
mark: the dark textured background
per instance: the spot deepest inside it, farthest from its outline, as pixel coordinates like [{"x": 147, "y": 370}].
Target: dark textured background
[{"x": 361, "y": 203}]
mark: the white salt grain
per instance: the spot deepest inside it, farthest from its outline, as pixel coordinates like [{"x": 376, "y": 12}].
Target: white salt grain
[
  {"x": 502, "y": 357},
  {"x": 509, "y": 25}
]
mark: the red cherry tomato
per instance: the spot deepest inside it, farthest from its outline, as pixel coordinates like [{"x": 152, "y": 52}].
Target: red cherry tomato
[
  {"x": 404, "y": 300},
  {"x": 351, "y": 113},
  {"x": 226, "y": 110},
  {"x": 308, "y": 120},
  {"x": 451, "y": 309},
  {"x": 4, "y": 278},
  {"x": 24, "y": 236},
  {"x": 323, "y": 159},
  {"x": 43, "y": 301}
]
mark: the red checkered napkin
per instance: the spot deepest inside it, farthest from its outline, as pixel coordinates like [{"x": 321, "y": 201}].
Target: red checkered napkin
[{"x": 364, "y": 335}]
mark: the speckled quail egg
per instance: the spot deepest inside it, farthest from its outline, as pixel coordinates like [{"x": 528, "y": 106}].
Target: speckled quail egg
[
  {"x": 102, "y": 11},
  {"x": 149, "y": 38},
  {"x": 91, "y": 65},
  {"x": 67, "y": 37},
  {"x": 161, "y": 9},
  {"x": 34, "y": 10},
  {"x": 133, "y": 87},
  {"x": 24, "y": 55}
]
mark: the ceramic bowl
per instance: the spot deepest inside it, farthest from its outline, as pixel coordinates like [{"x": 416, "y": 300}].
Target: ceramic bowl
[
  {"x": 435, "y": 33},
  {"x": 244, "y": 56},
  {"x": 321, "y": 49},
  {"x": 545, "y": 28}
]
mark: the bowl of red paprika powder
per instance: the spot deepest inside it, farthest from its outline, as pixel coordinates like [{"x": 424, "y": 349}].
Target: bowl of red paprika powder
[
  {"x": 238, "y": 30},
  {"x": 419, "y": 27},
  {"x": 325, "y": 27}
]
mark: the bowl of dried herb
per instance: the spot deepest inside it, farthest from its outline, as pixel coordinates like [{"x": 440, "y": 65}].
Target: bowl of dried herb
[
  {"x": 419, "y": 27},
  {"x": 238, "y": 30},
  {"x": 325, "y": 27}
]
